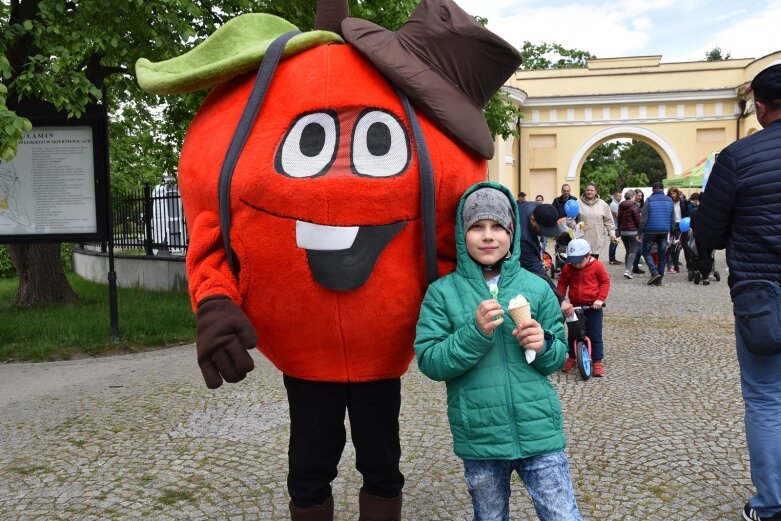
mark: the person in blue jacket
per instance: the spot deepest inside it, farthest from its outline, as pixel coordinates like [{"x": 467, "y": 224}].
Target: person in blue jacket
[
  {"x": 741, "y": 211},
  {"x": 657, "y": 220},
  {"x": 503, "y": 412}
]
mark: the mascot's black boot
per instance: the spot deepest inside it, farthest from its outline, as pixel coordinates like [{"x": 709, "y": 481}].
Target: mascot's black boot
[
  {"x": 324, "y": 512},
  {"x": 375, "y": 508}
]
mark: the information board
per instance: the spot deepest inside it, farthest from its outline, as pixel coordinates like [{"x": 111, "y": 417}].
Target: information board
[{"x": 54, "y": 189}]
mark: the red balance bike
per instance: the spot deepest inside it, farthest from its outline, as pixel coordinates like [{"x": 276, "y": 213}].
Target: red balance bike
[{"x": 581, "y": 343}]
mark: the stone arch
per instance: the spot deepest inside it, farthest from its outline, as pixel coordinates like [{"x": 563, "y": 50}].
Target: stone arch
[{"x": 671, "y": 161}]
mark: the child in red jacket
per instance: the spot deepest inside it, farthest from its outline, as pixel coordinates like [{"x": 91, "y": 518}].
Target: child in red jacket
[{"x": 588, "y": 284}]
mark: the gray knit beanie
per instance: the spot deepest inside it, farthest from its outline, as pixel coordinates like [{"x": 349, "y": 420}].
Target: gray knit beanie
[{"x": 487, "y": 203}]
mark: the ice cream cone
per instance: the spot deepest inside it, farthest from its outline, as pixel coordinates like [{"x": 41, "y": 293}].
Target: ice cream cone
[
  {"x": 519, "y": 310},
  {"x": 520, "y": 313}
]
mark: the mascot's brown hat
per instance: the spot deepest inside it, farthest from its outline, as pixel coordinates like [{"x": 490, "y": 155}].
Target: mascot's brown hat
[{"x": 446, "y": 62}]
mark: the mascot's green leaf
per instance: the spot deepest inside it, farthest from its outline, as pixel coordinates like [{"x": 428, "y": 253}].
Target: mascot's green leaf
[{"x": 234, "y": 49}]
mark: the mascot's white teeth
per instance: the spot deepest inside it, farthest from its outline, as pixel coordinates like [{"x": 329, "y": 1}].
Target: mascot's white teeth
[{"x": 310, "y": 236}]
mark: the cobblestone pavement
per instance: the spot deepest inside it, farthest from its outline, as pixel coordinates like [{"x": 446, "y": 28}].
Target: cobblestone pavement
[{"x": 140, "y": 436}]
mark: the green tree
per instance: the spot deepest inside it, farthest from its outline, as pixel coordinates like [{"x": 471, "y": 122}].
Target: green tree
[
  {"x": 641, "y": 158},
  {"x": 552, "y": 56},
  {"x": 541, "y": 56},
  {"x": 613, "y": 165},
  {"x": 614, "y": 175},
  {"x": 66, "y": 51},
  {"x": 600, "y": 167},
  {"x": 501, "y": 115},
  {"x": 716, "y": 54}
]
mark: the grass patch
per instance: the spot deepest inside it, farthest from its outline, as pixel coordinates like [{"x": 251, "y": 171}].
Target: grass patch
[
  {"x": 147, "y": 319},
  {"x": 171, "y": 496},
  {"x": 26, "y": 471},
  {"x": 662, "y": 492}
]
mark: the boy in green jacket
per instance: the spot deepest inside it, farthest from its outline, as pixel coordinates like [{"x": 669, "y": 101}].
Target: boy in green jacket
[{"x": 504, "y": 414}]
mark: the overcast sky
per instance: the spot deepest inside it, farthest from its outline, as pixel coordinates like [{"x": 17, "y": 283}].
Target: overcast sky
[{"x": 679, "y": 30}]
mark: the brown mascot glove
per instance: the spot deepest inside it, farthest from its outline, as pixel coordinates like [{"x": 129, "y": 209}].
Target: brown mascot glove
[{"x": 223, "y": 335}]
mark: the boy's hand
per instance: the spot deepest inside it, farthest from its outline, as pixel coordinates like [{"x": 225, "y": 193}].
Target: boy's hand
[
  {"x": 597, "y": 304},
  {"x": 487, "y": 311},
  {"x": 567, "y": 308},
  {"x": 530, "y": 335}
]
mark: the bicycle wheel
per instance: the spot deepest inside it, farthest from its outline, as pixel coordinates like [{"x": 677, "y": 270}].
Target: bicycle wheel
[{"x": 583, "y": 357}]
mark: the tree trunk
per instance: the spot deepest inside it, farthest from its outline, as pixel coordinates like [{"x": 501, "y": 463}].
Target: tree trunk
[{"x": 41, "y": 277}]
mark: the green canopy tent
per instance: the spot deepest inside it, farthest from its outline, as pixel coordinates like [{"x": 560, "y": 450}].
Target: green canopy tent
[{"x": 695, "y": 176}]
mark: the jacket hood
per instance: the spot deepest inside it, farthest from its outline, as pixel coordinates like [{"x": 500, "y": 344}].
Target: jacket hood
[
  {"x": 467, "y": 266},
  {"x": 590, "y": 203}
]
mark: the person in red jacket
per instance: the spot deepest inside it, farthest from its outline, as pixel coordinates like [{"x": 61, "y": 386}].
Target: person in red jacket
[{"x": 585, "y": 282}]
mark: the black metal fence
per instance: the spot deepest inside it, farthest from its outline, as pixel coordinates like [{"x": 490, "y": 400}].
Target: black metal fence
[{"x": 150, "y": 221}]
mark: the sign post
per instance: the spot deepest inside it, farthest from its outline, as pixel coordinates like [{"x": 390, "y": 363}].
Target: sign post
[{"x": 57, "y": 189}]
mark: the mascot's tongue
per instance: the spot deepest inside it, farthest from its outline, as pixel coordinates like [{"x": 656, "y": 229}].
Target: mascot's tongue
[{"x": 342, "y": 258}]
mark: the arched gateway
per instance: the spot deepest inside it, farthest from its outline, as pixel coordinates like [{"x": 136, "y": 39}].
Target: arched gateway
[{"x": 683, "y": 110}]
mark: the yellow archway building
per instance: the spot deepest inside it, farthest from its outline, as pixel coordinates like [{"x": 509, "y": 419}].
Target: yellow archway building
[{"x": 683, "y": 110}]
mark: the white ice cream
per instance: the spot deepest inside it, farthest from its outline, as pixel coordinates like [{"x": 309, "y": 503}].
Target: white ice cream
[{"x": 517, "y": 301}]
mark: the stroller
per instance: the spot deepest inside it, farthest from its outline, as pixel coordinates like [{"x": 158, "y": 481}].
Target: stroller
[
  {"x": 701, "y": 263},
  {"x": 673, "y": 250},
  {"x": 559, "y": 253}
]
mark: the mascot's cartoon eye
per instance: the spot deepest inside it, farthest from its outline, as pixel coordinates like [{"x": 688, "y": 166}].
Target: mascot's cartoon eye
[
  {"x": 380, "y": 145},
  {"x": 309, "y": 147}
]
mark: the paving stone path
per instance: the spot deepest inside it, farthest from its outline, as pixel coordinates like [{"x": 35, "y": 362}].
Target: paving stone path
[{"x": 140, "y": 436}]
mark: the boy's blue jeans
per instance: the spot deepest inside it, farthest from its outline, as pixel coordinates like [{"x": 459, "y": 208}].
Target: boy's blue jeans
[{"x": 546, "y": 478}]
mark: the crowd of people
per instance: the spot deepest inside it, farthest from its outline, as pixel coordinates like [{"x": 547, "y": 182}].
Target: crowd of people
[{"x": 650, "y": 231}]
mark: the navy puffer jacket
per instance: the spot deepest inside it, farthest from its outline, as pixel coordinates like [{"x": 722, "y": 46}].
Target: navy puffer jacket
[
  {"x": 657, "y": 215},
  {"x": 741, "y": 206}
]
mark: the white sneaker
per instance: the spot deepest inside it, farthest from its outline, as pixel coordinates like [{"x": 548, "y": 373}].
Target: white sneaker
[{"x": 628, "y": 275}]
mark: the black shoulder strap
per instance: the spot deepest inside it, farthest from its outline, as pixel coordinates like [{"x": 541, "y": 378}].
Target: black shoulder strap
[
  {"x": 251, "y": 109},
  {"x": 428, "y": 196}
]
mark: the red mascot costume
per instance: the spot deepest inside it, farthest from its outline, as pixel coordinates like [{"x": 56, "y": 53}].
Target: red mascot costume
[{"x": 320, "y": 203}]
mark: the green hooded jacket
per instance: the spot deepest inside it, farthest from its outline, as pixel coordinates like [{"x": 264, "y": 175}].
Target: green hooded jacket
[{"x": 499, "y": 406}]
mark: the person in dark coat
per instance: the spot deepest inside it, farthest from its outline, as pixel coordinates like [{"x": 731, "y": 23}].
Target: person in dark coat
[
  {"x": 536, "y": 220},
  {"x": 560, "y": 201},
  {"x": 741, "y": 211},
  {"x": 681, "y": 210},
  {"x": 640, "y": 200},
  {"x": 628, "y": 223}
]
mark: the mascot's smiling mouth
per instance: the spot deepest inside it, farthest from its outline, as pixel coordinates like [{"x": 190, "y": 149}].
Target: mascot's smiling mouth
[{"x": 342, "y": 258}]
